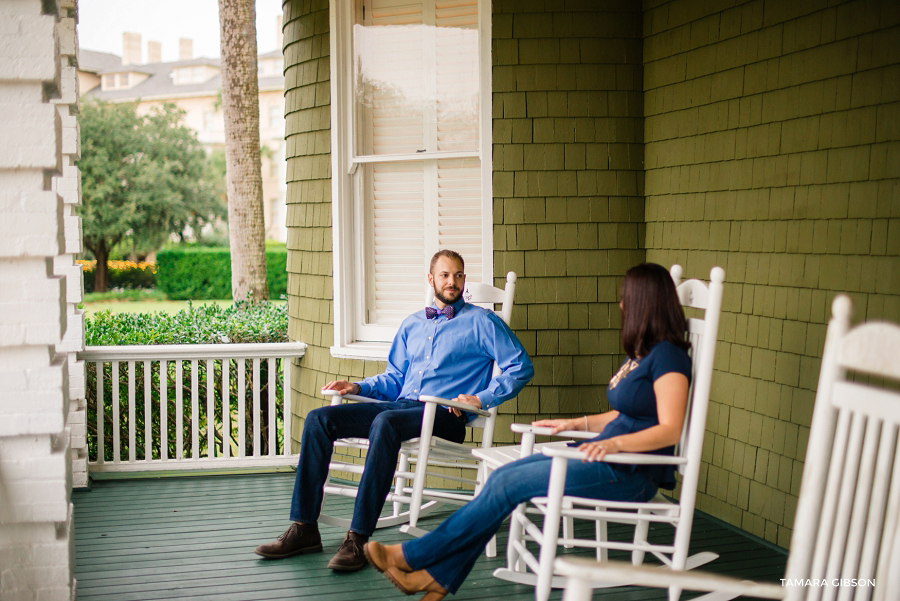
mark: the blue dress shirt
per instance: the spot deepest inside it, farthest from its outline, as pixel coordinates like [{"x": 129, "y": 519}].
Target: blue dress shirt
[{"x": 447, "y": 357}]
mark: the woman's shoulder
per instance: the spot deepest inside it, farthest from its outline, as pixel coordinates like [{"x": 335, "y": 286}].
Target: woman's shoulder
[{"x": 666, "y": 357}]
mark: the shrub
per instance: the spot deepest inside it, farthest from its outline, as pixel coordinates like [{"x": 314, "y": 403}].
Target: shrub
[
  {"x": 199, "y": 273},
  {"x": 122, "y": 274},
  {"x": 205, "y": 324}
]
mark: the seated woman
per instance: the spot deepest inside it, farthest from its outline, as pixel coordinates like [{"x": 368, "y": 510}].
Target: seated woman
[{"x": 648, "y": 396}]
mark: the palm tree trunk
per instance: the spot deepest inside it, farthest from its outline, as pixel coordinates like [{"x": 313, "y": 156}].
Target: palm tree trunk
[{"x": 240, "y": 103}]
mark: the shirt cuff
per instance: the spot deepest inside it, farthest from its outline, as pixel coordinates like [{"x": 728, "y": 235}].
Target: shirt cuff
[
  {"x": 364, "y": 389},
  {"x": 487, "y": 399}
]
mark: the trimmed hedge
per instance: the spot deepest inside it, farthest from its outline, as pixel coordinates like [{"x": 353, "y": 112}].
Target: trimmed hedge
[{"x": 197, "y": 273}]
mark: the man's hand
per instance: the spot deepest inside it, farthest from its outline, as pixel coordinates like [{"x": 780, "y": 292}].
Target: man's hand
[
  {"x": 468, "y": 399},
  {"x": 342, "y": 386}
]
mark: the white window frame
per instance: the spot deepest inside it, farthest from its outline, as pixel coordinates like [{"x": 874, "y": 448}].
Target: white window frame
[{"x": 347, "y": 223}]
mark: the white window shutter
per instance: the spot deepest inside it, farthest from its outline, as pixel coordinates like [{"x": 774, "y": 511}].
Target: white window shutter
[
  {"x": 397, "y": 210},
  {"x": 459, "y": 211}
]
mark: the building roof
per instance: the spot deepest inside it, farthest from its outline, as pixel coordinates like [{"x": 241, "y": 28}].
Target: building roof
[
  {"x": 161, "y": 83},
  {"x": 92, "y": 61}
]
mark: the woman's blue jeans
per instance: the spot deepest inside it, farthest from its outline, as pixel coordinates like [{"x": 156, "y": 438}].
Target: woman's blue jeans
[
  {"x": 386, "y": 425},
  {"x": 449, "y": 552}
]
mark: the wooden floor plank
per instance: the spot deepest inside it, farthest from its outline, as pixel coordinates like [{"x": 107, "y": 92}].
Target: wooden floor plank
[{"x": 193, "y": 538}]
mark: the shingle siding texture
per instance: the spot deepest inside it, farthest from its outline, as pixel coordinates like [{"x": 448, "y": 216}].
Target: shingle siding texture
[
  {"x": 773, "y": 149},
  {"x": 568, "y": 189}
]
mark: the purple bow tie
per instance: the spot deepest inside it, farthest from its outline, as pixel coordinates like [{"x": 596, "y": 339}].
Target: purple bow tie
[{"x": 431, "y": 312}]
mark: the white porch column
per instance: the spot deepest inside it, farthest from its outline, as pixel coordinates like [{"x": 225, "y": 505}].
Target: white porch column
[
  {"x": 36, "y": 555},
  {"x": 68, "y": 186}
]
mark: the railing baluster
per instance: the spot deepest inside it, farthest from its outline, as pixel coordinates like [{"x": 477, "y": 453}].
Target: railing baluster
[
  {"x": 256, "y": 407},
  {"x": 242, "y": 402},
  {"x": 226, "y": 407},
  {"x": 114, "y": 382},
  {"x": 101, "y": 414},
  {"x": 148, "y": 411},
  {"x": 179, "y": 409},
  {"x": 286, "y": 404},
  {"x": 195, "y": 411},
  {"x": 128, "y": 425},
  {"x": 131, "y": 420},
  {"x": 163, "y": 410},
  {"x": 210, "y": 408},
  {"x": 273, "y": 416}
]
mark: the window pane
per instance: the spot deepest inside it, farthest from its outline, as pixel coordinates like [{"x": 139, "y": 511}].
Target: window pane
[
  {"x": 457, "y": 85},
  {"x": 416, "y": 69}
]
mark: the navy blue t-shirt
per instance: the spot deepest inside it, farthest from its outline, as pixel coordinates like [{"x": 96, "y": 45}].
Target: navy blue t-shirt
[{"x": 631, "y": 393}]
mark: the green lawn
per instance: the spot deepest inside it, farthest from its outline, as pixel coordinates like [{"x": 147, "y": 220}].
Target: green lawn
[{"x": 151, "y": 306}]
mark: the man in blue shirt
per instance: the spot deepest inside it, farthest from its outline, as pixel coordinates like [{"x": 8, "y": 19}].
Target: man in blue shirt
[{"x": 447, "y": 350}]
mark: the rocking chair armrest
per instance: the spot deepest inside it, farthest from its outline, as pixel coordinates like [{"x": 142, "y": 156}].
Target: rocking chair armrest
[
  {"x": 425, "y": 398},
  {"x": 622, "y": 573},
  {"x": 547, "y": 431},
  {"x": 629, "y": 458},
  {"x": 351, "y": 397}
]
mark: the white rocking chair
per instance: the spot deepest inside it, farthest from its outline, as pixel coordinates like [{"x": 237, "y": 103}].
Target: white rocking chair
[
  {"x": 847, "y": 523},
  {"x": 428, "y": 450},
  {"x": 555, "y": 507}
]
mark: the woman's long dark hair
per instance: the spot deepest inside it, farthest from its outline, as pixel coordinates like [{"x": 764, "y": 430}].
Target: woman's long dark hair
[{"x": 651, "y": 312}]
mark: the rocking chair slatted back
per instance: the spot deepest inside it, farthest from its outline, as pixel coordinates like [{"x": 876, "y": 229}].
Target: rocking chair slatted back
[{"x": 851, "y": 481}]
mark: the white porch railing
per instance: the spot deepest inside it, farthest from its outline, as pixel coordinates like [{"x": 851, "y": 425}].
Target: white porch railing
[{"x": 192, "y": 406}]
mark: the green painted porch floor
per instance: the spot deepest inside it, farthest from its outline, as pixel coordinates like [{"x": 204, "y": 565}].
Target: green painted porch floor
[{"x": 193, "y": 538}]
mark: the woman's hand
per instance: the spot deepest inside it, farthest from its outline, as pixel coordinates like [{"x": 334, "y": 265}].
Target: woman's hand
[
  {"x": 599, "y": 449},
  {"x": 558, "y": 425}
]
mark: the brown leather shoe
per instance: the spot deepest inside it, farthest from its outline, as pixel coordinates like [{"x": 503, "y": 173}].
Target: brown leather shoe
[
  {"x": 383, "y": 557},
  {"x": 296, "y": 540},
  {"x": 350, "y": 557},
  {"x": 411, "y": 583}
]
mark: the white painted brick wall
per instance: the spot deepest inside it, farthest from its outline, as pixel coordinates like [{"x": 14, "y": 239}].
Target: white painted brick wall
[
  {"x": 39, "y": 386},
  {"x": 28, "y": 47},
  {"x": 36, "y": 130},
  {"x": 37, "y": 561},
  {"x": 32, "y": 224},
  {"x": 34, "y": 398},
  {"x": 76, "y": 379},
  {"x": 36, "y": 478},
  {"x": 32, "y": 303}
]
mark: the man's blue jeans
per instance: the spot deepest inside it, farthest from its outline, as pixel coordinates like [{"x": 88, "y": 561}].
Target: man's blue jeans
[
  {"x": 386, "y": 425},
  {"x": 449, "y": 552}
]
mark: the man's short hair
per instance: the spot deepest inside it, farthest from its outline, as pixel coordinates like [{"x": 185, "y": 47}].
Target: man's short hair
[{"x": 450, "y": 254}]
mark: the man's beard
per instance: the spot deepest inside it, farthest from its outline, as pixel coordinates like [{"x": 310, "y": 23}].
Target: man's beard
[{"x": 447, "y": 300}]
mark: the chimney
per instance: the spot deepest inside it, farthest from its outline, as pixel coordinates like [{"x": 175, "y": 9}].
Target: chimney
[
  {"x": 279, "y": 32},
  {"x": 185, "y": 49},
  {"x": 154, "y": 52},
  {"x": 131, "y": 48}
]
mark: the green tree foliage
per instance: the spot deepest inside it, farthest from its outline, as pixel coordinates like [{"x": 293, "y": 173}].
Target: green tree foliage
[{"x": 144, "y": 176}]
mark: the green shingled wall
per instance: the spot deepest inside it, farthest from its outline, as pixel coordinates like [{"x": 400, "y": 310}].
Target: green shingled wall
[
  {"x": 773, "y": 149},
  {"x": 568, "y": 189}
]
